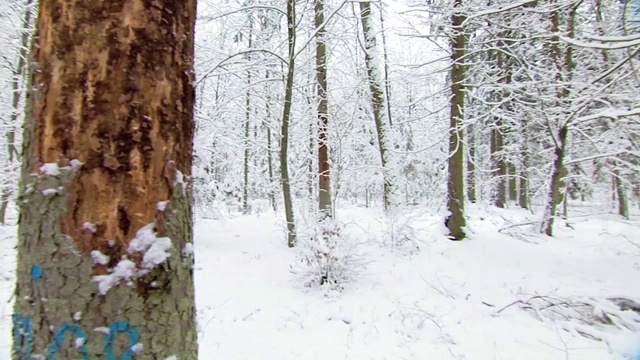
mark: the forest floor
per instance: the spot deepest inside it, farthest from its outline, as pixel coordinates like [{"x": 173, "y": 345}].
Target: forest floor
[{"x": 506, "y": 293}]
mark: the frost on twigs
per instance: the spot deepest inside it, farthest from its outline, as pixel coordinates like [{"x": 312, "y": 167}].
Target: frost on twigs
[
  {"x": 397, "y": 232},
  {"x": 327, "y": 258},
  {"x": 152, "y": 251},
  {"x": 595, "y": 319}
]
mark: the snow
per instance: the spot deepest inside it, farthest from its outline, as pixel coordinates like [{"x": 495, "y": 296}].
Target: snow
[
  {"x": 155, "y": 249},
  {"x": 89, "y": 226},
  {"x": 483, "y": 298},
  {"x": 102, "y": 330},
  {"x": 162, "y": 205},
  {"x": 99, "y": 258},
  {"x": 188, "y": 250},
  {"x": 123, "y": 271},
  {"x": 137, "y": 348},
  {"x": 51, "y": 169}
]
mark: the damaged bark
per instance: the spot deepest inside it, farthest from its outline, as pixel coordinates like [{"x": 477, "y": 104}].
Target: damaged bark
[{"x": 107, "y": 156}]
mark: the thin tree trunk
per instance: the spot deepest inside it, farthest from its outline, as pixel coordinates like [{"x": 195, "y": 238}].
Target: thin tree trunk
[
  {"x": 324, "y": 173},
  {"x": 105, "y": 238},
  {"x": 499, "y": 170},
  {"x": 623, "y": 201},
  {"x": 245, "y": 160},
  {"x": 387, "y": 84},
  {"x": 523, "y": 190},
  {"x": 378, "y": 102},
  {"x": 513, "y": 181},
  {"x": 272, "y": 195},
  {"x": 455, "y": 222},
  {"x": 471, "y": 167},
  {"x": 284, "y": 142}
]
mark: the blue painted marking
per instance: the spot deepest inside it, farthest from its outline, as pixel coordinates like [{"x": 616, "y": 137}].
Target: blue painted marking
[
  {"x": 58, "y": 338},
  {"x": 36, "y": 272},
  {"x": 22, "y": 335},
  {"x": 117, "y": 327}
]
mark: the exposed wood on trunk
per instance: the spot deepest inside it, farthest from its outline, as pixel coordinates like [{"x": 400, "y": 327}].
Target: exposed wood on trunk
[{"x": 107, "y": 153}]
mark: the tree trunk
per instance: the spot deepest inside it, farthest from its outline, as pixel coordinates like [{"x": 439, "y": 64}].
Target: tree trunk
[
  {"x": 324, "y": 174},
  {"x": 286, "y": 114},
  {"x": 471, "y": 167},
  {"x": 104, "y": 266},
  {"x": 623, "y": 202},
  {"x": 272, "y": 195},
  {"x": 513, "y": 181},
  {"x": 523, "y": 190},
  {"x": 455, "y": 222},
  {"x": 497, "y": 164},
  {"x": 385, "y": 58},
  {"x": 245, "y": 160},
  {"x": 18, "y": 76},
  {"x": 565, "y": 66},
  {"x": 557, "y": 180},
  {"x": 378, "y": 101}
]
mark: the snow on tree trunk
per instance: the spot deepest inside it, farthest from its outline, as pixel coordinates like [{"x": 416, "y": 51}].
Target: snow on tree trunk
[
  {"x": 104, "y": 265},
  {"x": 324, "y": 174},
  {"x": 374, "y": 65}
]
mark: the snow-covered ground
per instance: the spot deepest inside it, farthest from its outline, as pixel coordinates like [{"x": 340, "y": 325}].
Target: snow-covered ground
[{"x": 504, "y": 294}]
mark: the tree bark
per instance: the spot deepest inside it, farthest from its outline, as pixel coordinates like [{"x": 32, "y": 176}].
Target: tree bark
[
  {"x": 498, "y": 165},
  {"x": 471, "y": 167},
  {"x": 523, "y": 189},
  {"x": 564, "y": 69},
  {"x": 378, "y": 101},
  {"x": 286, "y": 114},
  {"x": 623, "y": 200},
  {"x": 324, "y": 171},
  {"x": 455, "y": 222},
  {"x": 385, "y": 57},
  {"x": 104, "y": 266},
  {"x": 247, "y": 125}
]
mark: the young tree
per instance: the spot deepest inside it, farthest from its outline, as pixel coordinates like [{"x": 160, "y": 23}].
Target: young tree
[
  {"x": 286, "y": 116},
  {"x": 105, "y": 236}
]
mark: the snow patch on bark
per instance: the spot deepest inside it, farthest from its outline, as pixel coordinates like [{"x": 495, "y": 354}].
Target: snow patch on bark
[
  {"x": 123, "y": 271},
  {"x": 91, "y": 227},
  {"x": 99, "y": 258},
  {"x": 162, "y": 205},
  {"x": 154, "y": 251},
  {"x": 102, "y": 330},
  {"x": 51, "y": 169}
]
